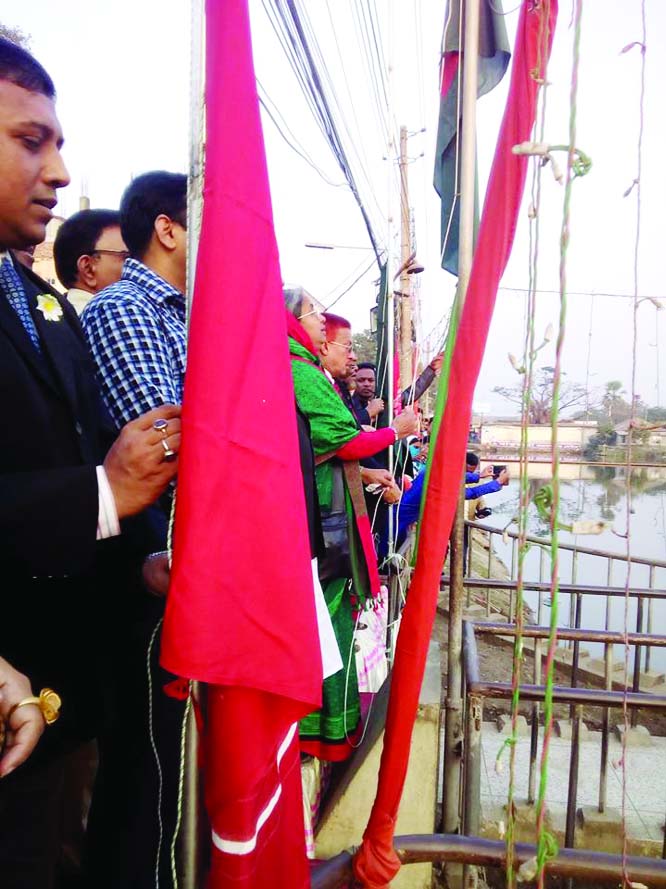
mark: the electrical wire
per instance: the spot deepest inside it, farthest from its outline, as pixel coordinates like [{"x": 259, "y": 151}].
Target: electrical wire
[{"x": 295, "y": 145}]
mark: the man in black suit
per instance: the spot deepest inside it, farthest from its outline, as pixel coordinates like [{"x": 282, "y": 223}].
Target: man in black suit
[{"x": 65, "y": 485}]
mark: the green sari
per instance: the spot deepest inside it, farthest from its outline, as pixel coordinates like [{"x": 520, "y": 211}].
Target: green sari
[{"x": 327, "y": 733}]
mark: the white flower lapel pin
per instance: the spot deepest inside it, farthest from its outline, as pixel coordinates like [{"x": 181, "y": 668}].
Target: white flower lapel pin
[{"x": 49, "y": 306}]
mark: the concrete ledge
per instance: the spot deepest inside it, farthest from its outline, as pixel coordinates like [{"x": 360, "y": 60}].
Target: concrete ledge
[
  {"x": 504, "y": 725},
  {"x": 564, "y": 729},
  {"x": 637, "y": 736},
  {"x": 651, "y": 678}
]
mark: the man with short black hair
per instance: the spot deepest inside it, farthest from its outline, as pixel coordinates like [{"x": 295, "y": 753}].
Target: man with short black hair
[
  {"x": 136, "y": 327},
  {"x": 366, "y": 405},
  {"x": 136, "y": 331},
  {"x": 89, "y": 253},
  {"x": 65, "y": 485}
]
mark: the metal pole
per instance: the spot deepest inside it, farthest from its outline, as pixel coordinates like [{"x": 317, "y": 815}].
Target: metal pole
[
  {"x": 190, "y": 859},
  {"x": 453, "y": 729},
  {"x": 453, "y": 705},
  {"x": 570, "y": 832},
  {"x": 189, "y": 864},
  {"x": 648, "y": 650},
  {"x": 637, "y": 657},
  {"x": 591, "y": 868},
  {"x": 405, "y": 302},
  {"x": 472, "y": 811}
]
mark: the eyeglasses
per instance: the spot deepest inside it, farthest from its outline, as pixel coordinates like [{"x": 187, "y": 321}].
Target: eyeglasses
[
  {"x": 317, "y": 309},
  {"x": 124, "y": 254},
  {"x": 348, "y": 347}
]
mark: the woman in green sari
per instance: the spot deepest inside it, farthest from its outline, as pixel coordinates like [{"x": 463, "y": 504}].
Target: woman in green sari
[{"x": 348, "y": 568}]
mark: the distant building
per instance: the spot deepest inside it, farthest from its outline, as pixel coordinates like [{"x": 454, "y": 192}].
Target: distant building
[
  {"x": 44, "y": 265},
  {"x": 655, "y": 438},
  {"x": 572, "y": 435}
]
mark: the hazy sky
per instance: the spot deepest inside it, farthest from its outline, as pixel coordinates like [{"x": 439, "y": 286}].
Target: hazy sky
[{"x": 122, "y": 74}]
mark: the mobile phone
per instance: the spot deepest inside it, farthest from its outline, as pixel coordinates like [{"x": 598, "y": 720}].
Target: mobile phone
[{"x": 497, "y": 470}]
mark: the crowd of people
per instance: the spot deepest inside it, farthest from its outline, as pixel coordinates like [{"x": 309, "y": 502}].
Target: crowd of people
[{"x": 93, "y": 383}]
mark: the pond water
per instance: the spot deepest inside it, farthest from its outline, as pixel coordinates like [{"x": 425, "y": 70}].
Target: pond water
[{"x": 594, "y": 492}]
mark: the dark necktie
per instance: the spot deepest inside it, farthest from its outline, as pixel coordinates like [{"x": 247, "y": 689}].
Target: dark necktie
[{"x": 12, "y": 287}]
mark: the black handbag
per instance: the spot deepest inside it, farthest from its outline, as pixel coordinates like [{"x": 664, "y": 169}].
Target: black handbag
[{"x": 336, "y": 560}]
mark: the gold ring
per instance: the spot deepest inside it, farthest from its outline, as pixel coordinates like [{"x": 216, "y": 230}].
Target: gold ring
[{"x": 48, "y": 702}]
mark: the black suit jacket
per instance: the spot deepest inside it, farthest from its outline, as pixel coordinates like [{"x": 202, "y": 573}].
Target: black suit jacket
[{"x": 63, "y": 596}]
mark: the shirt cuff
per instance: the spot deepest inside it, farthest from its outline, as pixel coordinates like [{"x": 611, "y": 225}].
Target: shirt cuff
[{"x": 107, "y": 514}]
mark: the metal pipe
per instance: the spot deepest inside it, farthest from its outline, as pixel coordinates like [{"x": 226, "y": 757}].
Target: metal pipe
[
  {"x": 572, "y": 792},
  {"x": 453, "y": 703},
  {"x": 539, "y": 541},
  {"x": 533, "y": 585},
  {"x": 453, "y": 727},
  {"x": 534, "y": 750},
  {"x": 593, "y": 697},
  {"x": 581, "y": 635},
  {"x": 470, "y": 654},
  {"x": 534, "y": 728},
  {"x": 190, "y": 846},
  {"x": 572, "y": 601},
  {"x": 576, "y": 642},
  {"x": 636, "y": 683},
  {"x": 472, "y": 802},
  {"x": 648, "y": 653},
  {"x": 605, "y": 717},
  {"x": 472, "y": 811},
  {"x": 590, "y": 867}
]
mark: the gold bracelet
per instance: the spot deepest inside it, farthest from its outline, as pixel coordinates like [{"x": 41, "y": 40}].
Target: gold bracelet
[{"x": 48, "y": 702}]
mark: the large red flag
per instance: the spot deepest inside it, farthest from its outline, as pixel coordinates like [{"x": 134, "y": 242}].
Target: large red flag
[
  {"x": 240, "y": 613},
  {"x": 376, "y": 862}
]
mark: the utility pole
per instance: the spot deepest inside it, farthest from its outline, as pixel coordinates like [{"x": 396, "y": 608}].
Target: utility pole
[{"x": 405, "y": 355}]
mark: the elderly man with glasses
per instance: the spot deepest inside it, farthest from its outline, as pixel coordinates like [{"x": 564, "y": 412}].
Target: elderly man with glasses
[{"x": 89, "y": 253}]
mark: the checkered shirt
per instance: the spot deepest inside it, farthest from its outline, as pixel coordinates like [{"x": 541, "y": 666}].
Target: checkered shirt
[{"x": 136, "y": 332}]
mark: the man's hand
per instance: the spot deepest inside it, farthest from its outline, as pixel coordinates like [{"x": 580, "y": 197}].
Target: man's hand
[
  {"x": 135, "y": 465},
  {"x": 486, "y": 472},
  {"x": 406, "y": 423},
  {"x": 391, "y": 494},
  {"x": 26, "y": 724},
  {"x": 374, "y": 407},
  {"x": 504, "y": 478},
  {"x": 376, "y": 477},
  {"x": 156, "y": 573},
  {"x": 437, "y": 362}
]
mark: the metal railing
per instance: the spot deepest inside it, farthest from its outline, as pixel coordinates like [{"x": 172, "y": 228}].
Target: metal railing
[
  {"x": 478, "y": 690},
  {"x": 575, "y": 591},
  {"x": 593, "y": 868}
]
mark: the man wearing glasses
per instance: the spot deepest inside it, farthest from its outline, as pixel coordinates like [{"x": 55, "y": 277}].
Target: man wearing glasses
[
  {"x": 89, "y": 253},
  {"x": 136, "y": 327},
  {"x": 137, "y": 336}
]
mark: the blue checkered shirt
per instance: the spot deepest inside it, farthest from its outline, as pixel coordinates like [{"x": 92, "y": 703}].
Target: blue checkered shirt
[{"x": 136, "y": 332}]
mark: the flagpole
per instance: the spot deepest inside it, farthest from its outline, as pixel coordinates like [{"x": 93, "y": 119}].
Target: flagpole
[
  {"x": 453, "y": 735},
  {"x": 190, "y": 863}
]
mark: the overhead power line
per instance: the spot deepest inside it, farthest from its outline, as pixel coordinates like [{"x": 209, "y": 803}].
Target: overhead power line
[
  {"x": 587, "y": 293},
  {"x": 305, "y": 58},
  {"x": 295, "y": 145}
]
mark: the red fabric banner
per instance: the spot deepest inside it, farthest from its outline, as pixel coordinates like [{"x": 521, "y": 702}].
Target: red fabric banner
[
  {"x": 376, "y": 862},
  {"x": 240, "y": 613}
]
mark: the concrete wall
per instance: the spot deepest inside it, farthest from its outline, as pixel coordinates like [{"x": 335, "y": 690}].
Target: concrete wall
[{"x": 570, "y": 435}]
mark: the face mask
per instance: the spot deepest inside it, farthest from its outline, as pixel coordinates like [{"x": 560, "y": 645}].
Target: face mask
[{"x": 414, "y": 450}]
